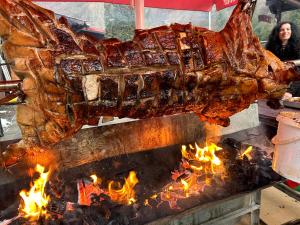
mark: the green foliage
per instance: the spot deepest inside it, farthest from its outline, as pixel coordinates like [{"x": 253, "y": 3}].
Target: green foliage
[
  {"x": 119, "y": 22},
  {"x": 262, "y": 29},
  {"x": 293, "y": 16}
]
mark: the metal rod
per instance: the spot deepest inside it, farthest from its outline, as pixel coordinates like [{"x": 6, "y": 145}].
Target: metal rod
[
  {"x": 232, "y": 215},
  {"x": 289, "y": 191},
  {"x": 296, "y": 62},
  {"x": 10, "y": 85},
  {"x": 139, "y": 6},
  {"x": 5, "y": 64},
  {"x": 6, "y": 99},
  {"x": 5, "y": 68}
]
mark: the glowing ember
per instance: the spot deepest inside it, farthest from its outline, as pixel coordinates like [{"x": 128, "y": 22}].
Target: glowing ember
[
  {"x": 95, "y": 179},
  {"x": 198, "y": 164},
  {"x": 86, "y": 190},
  {"x": 146, "y": 203},
  {"x": 200, "y": 159},
  {"x": 35, "y": 200},
  {"x": 125, "y": 194},
  {"x": 154, "y": 196},
  {"x": 247, "y": 152}
]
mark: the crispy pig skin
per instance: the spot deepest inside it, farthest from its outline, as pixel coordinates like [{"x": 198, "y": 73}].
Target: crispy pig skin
[{"x": 70, "y": 80}]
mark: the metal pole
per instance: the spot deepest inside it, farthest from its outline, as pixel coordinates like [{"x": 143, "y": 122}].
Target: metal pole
[
  {"x": 209, "y": 20},
  {"x": 296, "y": 62},
  {"x": 10, "y": 85},
  {"x": 255, "y": 199},
  {"x": 3, "y": 66},
  {"x": 139, "y": 14}
]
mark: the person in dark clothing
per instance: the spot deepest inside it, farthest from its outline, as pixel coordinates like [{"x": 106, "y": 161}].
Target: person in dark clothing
[
  {"x": 284, "y": 41},
  {"x": 285, "y": 44}
]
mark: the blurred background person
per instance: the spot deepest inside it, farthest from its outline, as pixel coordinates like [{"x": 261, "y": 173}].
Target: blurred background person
[{"x": 284, "y": 43}]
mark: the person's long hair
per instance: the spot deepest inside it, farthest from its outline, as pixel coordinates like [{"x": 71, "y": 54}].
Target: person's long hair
[{"x": 274, "y": 44}]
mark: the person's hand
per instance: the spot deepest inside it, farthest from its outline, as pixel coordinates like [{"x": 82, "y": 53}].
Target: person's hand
[{"x": 286, "y": 96}]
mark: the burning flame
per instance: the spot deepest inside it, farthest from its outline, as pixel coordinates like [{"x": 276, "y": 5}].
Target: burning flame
[
  {"x": 247, "y": 152},
  {"x": 126, "y": 194},
  {"x": 189, "y": 180},
  {"x": 202, "y": 158},
  {"x": 96, "y": 180},
  {"x": 35, "y": 200}
]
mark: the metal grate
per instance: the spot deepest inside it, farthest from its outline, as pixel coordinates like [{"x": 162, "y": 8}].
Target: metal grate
[
  {"x": 223, "y": 212},
  {"x": 4, "y": 69}
]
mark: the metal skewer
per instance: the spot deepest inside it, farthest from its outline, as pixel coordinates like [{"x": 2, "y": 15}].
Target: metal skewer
[
  {"x": 10, "y": 85},
  {"x": 14, "y": 87},
  {"x": 296, "y": 62}
]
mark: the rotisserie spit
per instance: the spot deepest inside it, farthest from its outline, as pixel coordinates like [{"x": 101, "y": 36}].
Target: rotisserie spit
[{"x": 70, "y": 80}]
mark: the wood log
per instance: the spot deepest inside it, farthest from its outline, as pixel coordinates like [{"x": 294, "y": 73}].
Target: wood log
[
  {"x": 107, "y": 141},
  {"x": 97, "y": 143}
]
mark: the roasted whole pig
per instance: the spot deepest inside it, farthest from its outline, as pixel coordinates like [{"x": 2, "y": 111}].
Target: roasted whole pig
[{"x": 70, "y": 80}]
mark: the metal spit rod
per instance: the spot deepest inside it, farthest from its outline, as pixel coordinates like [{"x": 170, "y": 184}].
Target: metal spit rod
[
  {"x": 296, "y": 62},
  {"x": 14, "y": 89},
  {"x": 10, "y": 85}
]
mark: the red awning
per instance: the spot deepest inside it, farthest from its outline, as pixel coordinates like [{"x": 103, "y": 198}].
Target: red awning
[{"x": 193, "y": 5}]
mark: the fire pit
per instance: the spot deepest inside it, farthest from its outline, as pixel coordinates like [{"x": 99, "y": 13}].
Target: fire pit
[{"x": 198, "y": 183}]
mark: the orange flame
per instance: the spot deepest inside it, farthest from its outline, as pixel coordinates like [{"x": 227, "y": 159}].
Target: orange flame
[
  {"x": 35, "y": 200},
  {"x": 126, "y": 194},
  {"x": 247, "y": 152},
  {"x": 203, "y": 156},
  {"x": 96, "y": 180},
  {"x": 188, "y": 180}
]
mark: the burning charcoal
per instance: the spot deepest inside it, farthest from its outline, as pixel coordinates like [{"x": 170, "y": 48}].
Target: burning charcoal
[
  {"x": 55, "y": 187},
  {"x": 70, "y": 193},
  {"x": 226, "y": 154},
  {"x": 230, "y": 143},
  {"x": 58, "y": 207},
  {"x": 86, "y": 191},
  {"x": 93, "y": 215},
  {"x": 73, "y": 217},
  {"x": 95, "y": 200},
  {"x": 107, "y": 202},
  {"x": 183, "y": 176},
  {"x": 102, "y": 209},
  {"x": 205, "y": 178}
]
